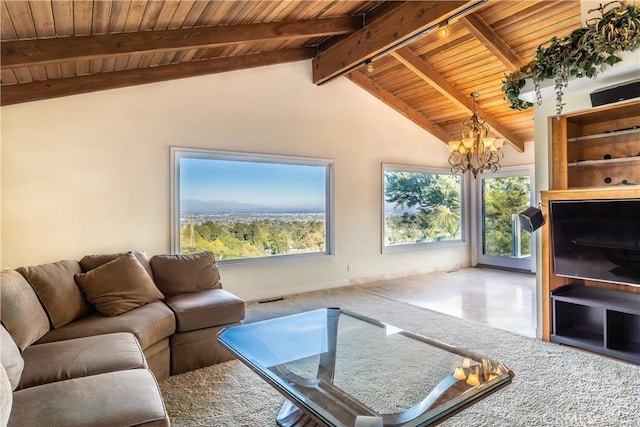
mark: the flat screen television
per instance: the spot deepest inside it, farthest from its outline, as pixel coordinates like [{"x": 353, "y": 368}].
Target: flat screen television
[{"x": 597, "y": 240}]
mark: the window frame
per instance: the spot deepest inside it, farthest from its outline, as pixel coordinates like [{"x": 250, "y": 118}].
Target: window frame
[
  {"x": 178, "y": 153},
  {"x": 477, "y": 255},
  {"x": 464, "y": 229}
]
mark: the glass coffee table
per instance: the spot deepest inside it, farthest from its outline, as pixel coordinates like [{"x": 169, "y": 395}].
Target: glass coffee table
[{"x": 338, "y": 368}]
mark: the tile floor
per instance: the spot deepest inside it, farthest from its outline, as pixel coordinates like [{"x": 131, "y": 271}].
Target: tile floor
[{"x": 501, "y": 299}]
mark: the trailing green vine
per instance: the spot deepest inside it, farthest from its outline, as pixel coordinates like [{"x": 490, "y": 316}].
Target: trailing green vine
[{"x": 583, "y": 53}]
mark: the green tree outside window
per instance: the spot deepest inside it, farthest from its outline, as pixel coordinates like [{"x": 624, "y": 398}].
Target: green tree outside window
[{"x": 421, "y": 207}]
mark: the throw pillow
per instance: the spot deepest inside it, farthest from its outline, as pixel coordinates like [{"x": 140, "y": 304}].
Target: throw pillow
[
  {"x": 89, "y": 262},
  {"x": 119, "y": 286},
  {"x": 21, "y": 311},
  {"x": 176, "y": 274},
  {"x": 57, "y": 290}
]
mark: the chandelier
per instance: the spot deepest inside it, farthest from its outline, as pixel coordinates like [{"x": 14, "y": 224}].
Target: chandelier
[{"x": 476, "y": 151}]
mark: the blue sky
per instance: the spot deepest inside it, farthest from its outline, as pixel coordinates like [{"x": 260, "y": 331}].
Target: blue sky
[{"x": 266, "y": 184}]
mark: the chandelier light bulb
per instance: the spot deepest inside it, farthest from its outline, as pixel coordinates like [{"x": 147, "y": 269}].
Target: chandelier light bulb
[{"x": 488, "y": 142}]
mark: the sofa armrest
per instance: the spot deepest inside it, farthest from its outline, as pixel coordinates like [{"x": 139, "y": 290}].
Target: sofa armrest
[{"x": 205, "y": 309}]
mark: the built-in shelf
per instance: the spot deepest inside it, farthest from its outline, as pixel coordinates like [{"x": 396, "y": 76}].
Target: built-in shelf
[
  {"x": 605, "y": 161},
  {"x": 597, "y": 147},
  {"x": 586, "y": 296},
  {"x": 599, "y": 320},
  {"x": 604, "y": 135},
  {"x": 581, "y": 339}
]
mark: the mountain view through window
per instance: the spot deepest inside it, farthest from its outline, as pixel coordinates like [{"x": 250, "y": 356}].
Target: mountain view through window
[{"x": 254, "y": 207}]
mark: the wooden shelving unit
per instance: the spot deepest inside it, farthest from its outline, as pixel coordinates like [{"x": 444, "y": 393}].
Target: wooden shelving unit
[
  {"x": 597, "y": 148},
  {"x": 552, "y": 282},
  {"x": 599, "y": 320},
  {"x": 595, "y": 155}
]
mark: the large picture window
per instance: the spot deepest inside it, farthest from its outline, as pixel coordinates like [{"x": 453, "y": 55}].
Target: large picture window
[
  {"x": 250, "y": 207},
  {"x": 421, "y": 207}
]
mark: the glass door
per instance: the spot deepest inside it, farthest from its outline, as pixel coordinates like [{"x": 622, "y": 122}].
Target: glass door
[{"x": 500, "y": 198}]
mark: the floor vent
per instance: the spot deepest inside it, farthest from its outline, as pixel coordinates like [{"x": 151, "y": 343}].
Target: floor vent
[{"x": 264, "y": 301}]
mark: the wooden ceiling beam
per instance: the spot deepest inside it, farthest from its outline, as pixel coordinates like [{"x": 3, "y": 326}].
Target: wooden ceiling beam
[
  {"x": 23, "y": 53},
  {"x": 438, "y": 82},
  {"x": 14, "y": 94},
  {"x": 400, "y": 106},
  {"x": 496, "y": 45},
  {"x": 399, "y": 25}
]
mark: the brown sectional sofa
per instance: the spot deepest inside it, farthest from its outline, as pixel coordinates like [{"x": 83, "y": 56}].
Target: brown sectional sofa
[{"x": 83, "y": 342}]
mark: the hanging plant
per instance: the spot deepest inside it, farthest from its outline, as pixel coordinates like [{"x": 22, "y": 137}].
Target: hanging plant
[{"x": 583, "y": 53}]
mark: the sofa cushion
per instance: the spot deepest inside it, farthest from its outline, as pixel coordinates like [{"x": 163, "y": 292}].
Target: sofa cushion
[
  {"x": 149, "y": 323},
  {"x": 119, "y": 286},
  {"x": 80, "y": 357},
  {"x": 198, "y": 310},
  {"x": 58, "y": 291},
  {"x": 21, "y": 313},
  {"x": 176, "y": 274},
  {"x": 89, "y": 262},
  {"x": 10, "y": 358},
  {"x": 6, "y": 397},
  {"x": 123, "y": 398}
]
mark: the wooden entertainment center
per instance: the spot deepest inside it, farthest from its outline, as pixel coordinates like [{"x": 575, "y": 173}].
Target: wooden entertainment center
[{"x": 595, "y": 157}]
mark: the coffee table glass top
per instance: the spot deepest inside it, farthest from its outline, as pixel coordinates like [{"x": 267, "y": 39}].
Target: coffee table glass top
[{"x": 341, "y": 368}]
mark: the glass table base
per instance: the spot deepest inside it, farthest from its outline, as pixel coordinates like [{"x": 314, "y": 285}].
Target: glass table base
[{"x": 292, "y": 416}]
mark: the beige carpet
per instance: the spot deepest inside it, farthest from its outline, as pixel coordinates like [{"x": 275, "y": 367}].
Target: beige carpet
[{"x": 554, "y": 385}]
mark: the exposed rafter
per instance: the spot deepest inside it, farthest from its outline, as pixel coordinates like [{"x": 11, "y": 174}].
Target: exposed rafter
[
  {"x": 72, "y": 86},
  {"x": 397, "y": 104},
  {"x": 438, "y": 82},
  {"x": 398, "y": 25},
  {"x": 485, "y": 34},
  {"x": 22, "y": 53}
]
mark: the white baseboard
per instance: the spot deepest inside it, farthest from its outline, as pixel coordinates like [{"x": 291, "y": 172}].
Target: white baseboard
[
  {"x": 280, "y": 292},
  {"x": 409, "y": 273}
]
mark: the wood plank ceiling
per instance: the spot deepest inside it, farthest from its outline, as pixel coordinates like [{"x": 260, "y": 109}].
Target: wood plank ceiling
[{"x": 422, "y": 58}]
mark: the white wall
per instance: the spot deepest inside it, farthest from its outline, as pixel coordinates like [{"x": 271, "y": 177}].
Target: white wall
[
  {"x": 512, "y": 157},
  {"x": 91, "y": 173}
]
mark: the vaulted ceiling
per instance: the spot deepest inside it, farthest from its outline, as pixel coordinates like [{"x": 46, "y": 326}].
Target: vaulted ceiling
[{"x": 422, "y": 58}]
